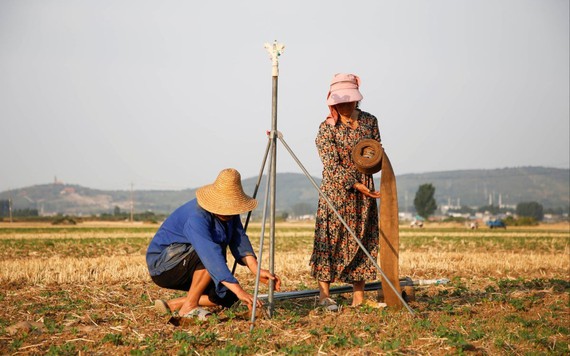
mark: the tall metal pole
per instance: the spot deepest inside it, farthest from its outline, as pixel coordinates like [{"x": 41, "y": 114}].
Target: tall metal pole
[
  {"x": 132, "y": 204},
  {"x": 275, "y": 51},
  {"x": 10, "y": 206}
]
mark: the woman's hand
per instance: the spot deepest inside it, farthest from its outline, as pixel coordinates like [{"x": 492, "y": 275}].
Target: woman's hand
[{"x": 367, "y": 192}]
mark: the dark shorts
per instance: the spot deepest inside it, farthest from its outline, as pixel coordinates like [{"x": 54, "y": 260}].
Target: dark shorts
[{"x": 180, "y": 278}]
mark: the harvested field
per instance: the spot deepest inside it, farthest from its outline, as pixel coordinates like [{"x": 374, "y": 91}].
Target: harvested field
[{"x": 85, "y": 289}]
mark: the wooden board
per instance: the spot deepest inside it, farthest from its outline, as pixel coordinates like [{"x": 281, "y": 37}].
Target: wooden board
[{"x": 389, "y": 233}]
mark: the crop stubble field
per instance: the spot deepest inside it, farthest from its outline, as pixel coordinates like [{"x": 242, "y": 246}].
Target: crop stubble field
[{"x": 85, "y": 289}]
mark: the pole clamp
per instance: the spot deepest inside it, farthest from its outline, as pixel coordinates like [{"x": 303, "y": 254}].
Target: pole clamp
[{"x": 274, "y": 133}]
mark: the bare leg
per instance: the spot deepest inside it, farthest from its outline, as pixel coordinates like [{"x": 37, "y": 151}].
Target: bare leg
[
  {"x": 324, "y": 297},
  {"x": 324, "y": 289},
  {"x": 358, "y": 293},
  {"x": 200, "y": 280},
  {"x": 176, "y": 303}
]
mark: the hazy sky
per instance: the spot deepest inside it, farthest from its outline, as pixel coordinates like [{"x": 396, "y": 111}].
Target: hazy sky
[{"x": 164, "y": 94}]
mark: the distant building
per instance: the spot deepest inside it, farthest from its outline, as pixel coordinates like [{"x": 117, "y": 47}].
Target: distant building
[{"x": 67, "y": 190}]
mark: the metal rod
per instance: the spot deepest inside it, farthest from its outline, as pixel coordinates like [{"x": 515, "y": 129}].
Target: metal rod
[
  {"x": 10, "y": 201},
  {"x": 259, "y": 176},
  {"x": 272, "y": 182},
  {"x": 275, "y": 51},
  {"x": 406, "y": 282},
  {"x": 345, "y": 224},
  {"x": 260, "y": 254},
  {"x": 337, "y": 290}
]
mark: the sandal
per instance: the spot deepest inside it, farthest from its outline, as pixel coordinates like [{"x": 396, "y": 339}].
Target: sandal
[
  {"x": 329, "y": 304},
  {"x": 199, "y": 313},
  {"x": 371, "y": 304},
  {"x": 162, "y": 307}
]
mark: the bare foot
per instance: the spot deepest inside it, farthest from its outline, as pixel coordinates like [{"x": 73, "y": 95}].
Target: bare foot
[
  {"x": 187, "y": 308},
  {"x": 356, "y": 302}
]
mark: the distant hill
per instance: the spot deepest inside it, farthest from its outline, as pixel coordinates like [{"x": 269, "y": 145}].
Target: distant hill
[
  {"x": 509, "y": 186},
  {"x": 77, "y": 200},
  {"x": 296, "y": 195}
]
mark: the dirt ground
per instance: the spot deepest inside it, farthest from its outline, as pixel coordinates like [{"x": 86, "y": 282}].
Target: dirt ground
[
  {"x": 476, "y": 316},
  {"x": 501, "y": 309}
]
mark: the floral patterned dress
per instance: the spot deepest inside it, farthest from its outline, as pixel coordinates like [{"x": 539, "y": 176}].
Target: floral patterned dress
[{"x": 336, "y": 255}]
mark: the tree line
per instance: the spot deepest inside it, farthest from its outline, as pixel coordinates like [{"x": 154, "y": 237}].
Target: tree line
[
  {"x": 6, "y": 210},
  {"x": 425, "y": 205}
]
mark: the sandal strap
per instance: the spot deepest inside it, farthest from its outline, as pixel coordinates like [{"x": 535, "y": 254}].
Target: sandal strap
[
  {"x": 199, "y": 313},
  {"x": 329, "y": 304},
  {"x": 327, "y": 301}
]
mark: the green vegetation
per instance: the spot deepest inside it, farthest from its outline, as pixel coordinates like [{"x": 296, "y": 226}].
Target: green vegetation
[
  {"x": 424, "y": 202},
  {"x": 530, "y": 209},
  {"x": 521, "y": 221}
]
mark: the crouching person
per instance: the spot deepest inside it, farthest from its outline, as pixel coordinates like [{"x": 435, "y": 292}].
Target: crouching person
[{"x": 188, "y": 251}]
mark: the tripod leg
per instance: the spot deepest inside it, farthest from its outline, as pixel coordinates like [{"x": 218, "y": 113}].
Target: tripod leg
[
  {"x": 260, "y": 254},
  {"x": 259, "y": 176}
]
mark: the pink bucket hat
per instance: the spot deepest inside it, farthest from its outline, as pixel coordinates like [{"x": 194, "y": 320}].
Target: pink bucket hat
[{"x": 344, "y": 89}]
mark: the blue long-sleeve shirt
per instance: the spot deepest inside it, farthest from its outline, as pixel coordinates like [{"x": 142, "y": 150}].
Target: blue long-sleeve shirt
[{"x": 209, "y": 236}]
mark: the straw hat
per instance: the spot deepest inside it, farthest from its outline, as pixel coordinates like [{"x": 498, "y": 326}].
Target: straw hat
[{"x": 225, "y": 196}]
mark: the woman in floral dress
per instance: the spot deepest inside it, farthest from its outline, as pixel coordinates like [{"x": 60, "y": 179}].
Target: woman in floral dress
[{"x": 336, "y": 255}]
